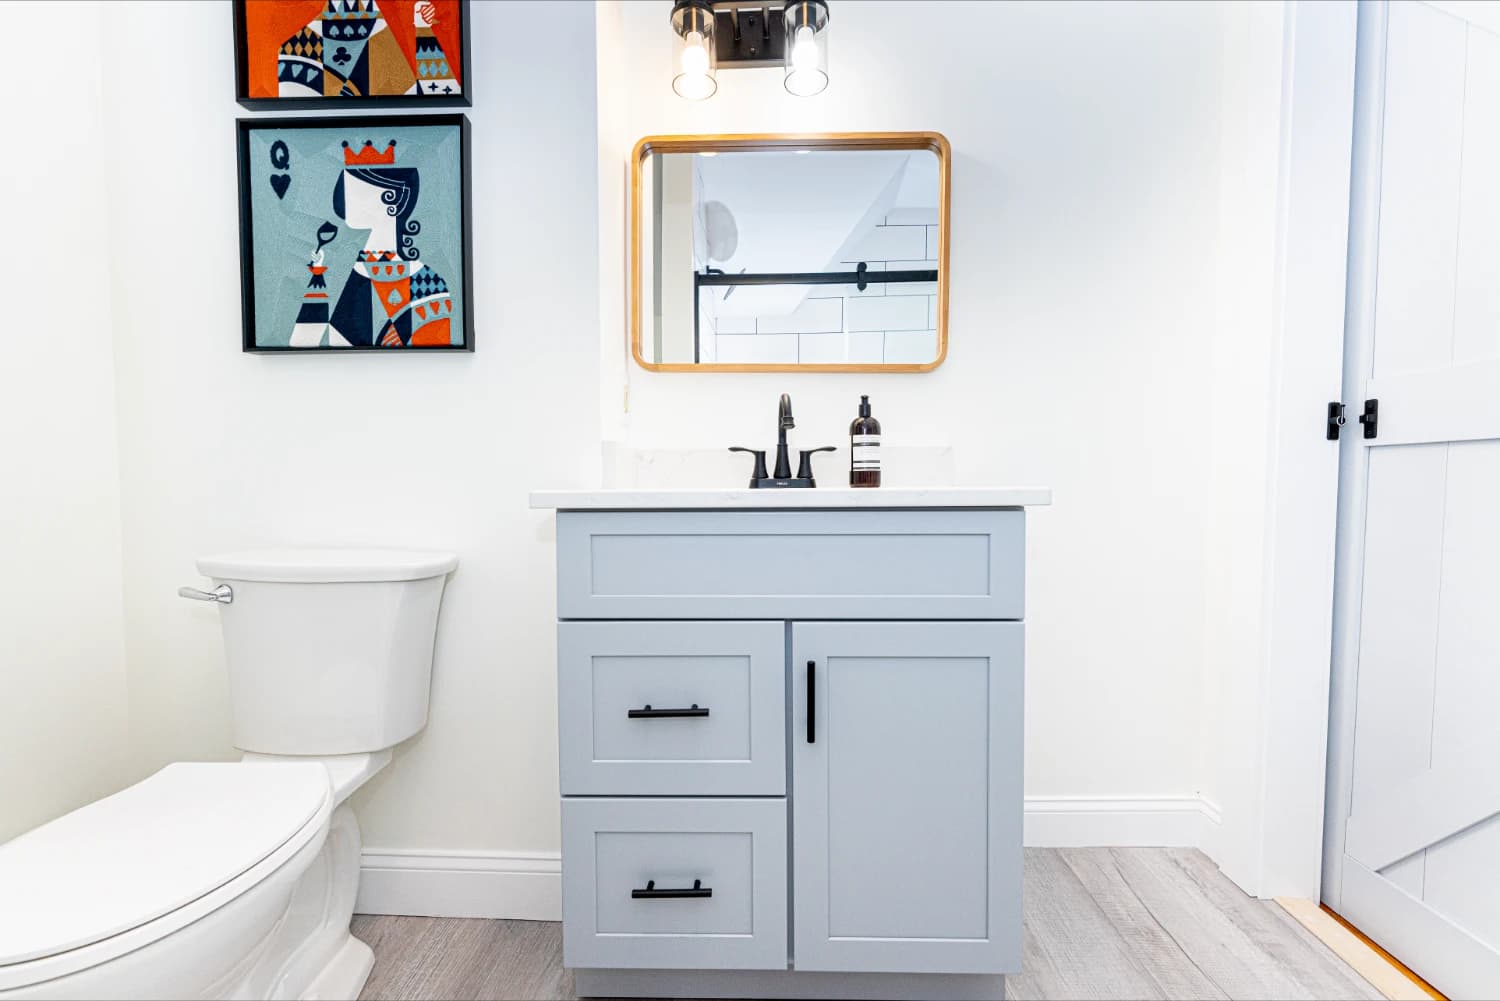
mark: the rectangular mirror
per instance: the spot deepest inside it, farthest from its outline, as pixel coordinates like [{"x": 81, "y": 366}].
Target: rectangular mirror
[{"x": 790, "y": 253}]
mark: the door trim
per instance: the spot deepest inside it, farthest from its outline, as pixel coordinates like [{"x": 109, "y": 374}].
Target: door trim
[
  {"x": 1359, "y": 327},
  {"x": 1279, "y": 352}
]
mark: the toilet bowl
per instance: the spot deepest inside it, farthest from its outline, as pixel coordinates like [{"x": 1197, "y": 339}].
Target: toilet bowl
[{"x": 238, "y": 879}]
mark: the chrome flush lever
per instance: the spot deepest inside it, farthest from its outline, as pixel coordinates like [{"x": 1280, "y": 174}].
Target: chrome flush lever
[{"x": 222, "y": 594}]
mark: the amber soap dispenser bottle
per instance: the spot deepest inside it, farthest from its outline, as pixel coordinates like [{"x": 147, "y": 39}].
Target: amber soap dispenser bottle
[{"x": 864, "y": 448}]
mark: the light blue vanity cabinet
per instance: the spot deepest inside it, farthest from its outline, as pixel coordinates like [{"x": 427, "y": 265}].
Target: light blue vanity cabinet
[{"x": 791, "y": 742}]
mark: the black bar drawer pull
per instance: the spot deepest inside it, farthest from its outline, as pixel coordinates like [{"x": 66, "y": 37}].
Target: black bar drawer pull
[
  {"x": 812, "y": 701},
  {"x": 649, "y": 713},
  {"x": 652, "y": 893}
]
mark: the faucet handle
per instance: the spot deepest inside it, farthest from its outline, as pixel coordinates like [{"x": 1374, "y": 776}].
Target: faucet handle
[
  {"x": 760, "y": 463},
  {"x": 804, "y": 468}
]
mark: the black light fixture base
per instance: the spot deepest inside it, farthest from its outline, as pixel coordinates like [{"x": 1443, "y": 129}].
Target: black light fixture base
[{"x": 748, "y": 35}]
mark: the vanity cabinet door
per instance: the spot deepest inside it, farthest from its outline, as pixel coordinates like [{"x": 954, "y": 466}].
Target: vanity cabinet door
[{"x": 906, "y": 776}]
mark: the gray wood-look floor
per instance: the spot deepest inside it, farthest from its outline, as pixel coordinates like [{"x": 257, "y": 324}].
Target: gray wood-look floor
[{"x": 1100, "y": 923}]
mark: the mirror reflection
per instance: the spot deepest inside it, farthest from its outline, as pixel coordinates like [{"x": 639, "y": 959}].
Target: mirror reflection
[{"x": 790, "y": 257}]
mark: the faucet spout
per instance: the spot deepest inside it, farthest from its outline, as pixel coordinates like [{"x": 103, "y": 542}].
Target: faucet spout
[{"x": 783, "y": 421}]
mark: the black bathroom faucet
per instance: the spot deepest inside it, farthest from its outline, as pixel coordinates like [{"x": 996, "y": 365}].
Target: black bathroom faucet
[
  {"x": 782, "y": 477},
  {"x": 784, "y": 423}
]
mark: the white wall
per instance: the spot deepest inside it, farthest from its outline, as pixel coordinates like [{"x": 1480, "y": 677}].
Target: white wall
[
  {"x": 1086, "y": 189},
  {"x": 62, "y": 662},
  {"x": 222, "y": 450},
  {"x": 1109, "y": 267}
]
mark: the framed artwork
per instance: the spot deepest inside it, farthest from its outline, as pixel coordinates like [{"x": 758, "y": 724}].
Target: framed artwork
[
  {"x": 354, "y": 233},
  {"x": 351, "y": 53}
]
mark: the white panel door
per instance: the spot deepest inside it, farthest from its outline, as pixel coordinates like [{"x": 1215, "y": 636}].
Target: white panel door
[{"x": 1413, "y": 850}]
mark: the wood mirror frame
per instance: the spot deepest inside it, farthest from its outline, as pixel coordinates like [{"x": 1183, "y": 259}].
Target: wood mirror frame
[{"x": 932, "y": 141}]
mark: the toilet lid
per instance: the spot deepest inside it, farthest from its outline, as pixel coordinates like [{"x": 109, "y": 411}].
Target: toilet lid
[
  {"x": 149, "y": 850},
  {"x": 327, "y": 566}
]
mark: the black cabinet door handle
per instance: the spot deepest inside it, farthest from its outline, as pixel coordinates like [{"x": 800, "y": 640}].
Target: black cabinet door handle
[
  {"x": 649, "y": 713},
  {"x": 652, "y": 893},
  {"x": 812, "y": 701}
]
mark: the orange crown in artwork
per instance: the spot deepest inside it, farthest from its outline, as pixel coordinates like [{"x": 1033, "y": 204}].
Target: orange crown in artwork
[{"x": 368, "y": 156}]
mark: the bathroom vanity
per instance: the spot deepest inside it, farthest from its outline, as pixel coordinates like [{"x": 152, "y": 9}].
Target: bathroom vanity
[{"x": 790, "y": 732}]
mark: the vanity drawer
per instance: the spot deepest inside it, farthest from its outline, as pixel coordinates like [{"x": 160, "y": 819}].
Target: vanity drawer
[
  {"x": 863, "y": 564},
  {"x": 629, "y": 896},
  {"x": 672, "y": 708}
]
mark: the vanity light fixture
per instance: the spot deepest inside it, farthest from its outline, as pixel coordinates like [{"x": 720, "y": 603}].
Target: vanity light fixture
[
  {"x": 748, "y": 33},
  {"x": 693, "y": 60},
  {"x": 806, "y": 25}
]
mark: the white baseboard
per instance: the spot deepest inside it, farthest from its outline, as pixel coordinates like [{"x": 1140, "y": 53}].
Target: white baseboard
[
  {"x": 528, "y": 886},
  {"x": 1120, "y": 822},
  {"x": 524, "y": 887}
]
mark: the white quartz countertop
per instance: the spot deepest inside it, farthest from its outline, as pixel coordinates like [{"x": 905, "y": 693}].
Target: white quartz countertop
[{"x": 816, "y": 497}]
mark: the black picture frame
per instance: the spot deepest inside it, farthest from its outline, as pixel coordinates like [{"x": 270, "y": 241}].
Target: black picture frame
[
  {"x": 409, "y": 102},
  {"x": 243, "y": 128}
]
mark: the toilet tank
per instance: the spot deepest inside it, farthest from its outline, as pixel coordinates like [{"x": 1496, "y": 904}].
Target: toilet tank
[{"x": 329, "y": 650}]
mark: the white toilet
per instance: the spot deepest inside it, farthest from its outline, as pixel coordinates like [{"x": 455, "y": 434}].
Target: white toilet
[{"x": 237, "y": 880}]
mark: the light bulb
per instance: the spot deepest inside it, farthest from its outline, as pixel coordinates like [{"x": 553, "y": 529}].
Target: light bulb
[
  {"x": 806, "y": 60},
  {"x": 804, "y": 49},
  {"x": 695, "y": 76},
  {"x": 694, "y": 54}
]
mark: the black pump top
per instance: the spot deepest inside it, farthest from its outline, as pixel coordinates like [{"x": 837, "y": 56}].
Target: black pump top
[{"x": 864, "y": 406}]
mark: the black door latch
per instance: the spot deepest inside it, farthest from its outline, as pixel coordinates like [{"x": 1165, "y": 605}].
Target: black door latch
[
  {"x": 1370, "y": 419},
  {"x": 1336, "y": 420}
]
